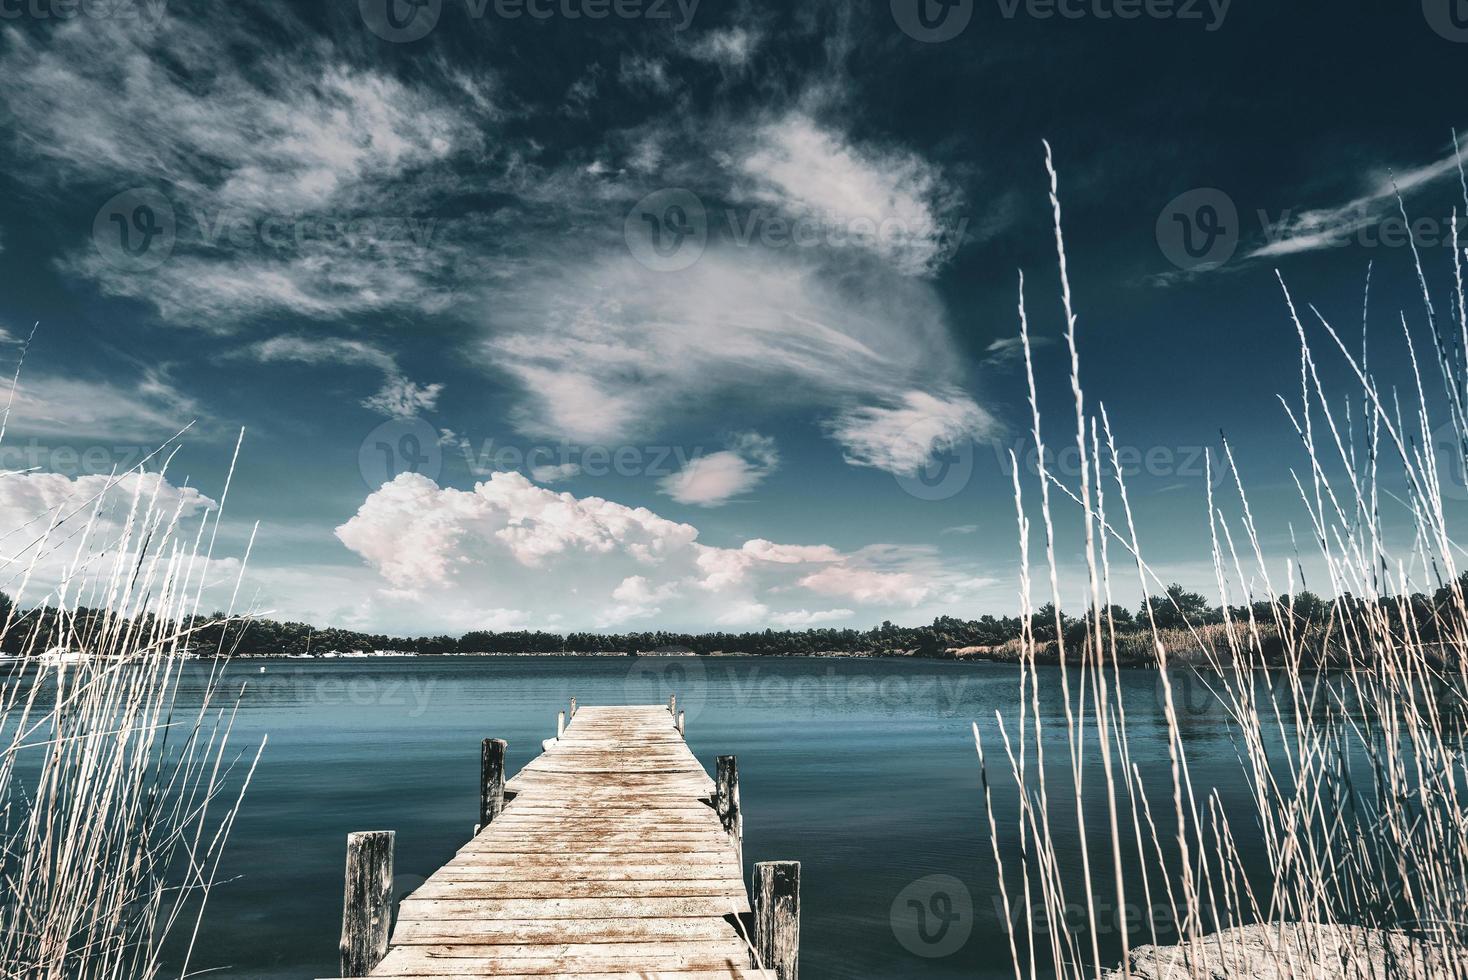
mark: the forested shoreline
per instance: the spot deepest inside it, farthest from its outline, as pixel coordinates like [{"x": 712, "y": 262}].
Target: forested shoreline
[{"x": 1178, "y": 613}]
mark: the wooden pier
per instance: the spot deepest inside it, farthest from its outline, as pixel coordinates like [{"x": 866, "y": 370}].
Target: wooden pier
[{"x": 613, "y": 855}]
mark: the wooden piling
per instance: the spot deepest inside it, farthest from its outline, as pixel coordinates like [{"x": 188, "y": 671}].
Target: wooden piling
[
  {"x": 673, "y": 705},
  {"x": 491, "y": 780},
  {"x": 560, "y": 723},
  {"x": 573, "y": 709},
  {"x": 366, "y": 901},
  {"x": 726, "y": 800},
  {"x": 682, "y": 725},
  {"x": 777, "y": 917}
]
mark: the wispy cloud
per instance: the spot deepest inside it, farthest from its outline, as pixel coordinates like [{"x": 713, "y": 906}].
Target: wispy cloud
[
  {"x": 1005, "y": 351},
  {"x": 608, "y": 350},
  {"x": 144, "y": 412},
  {"x": 1328, "y": 227},
  {"x": 900, "y": 437},
  {"x": 265, "y": 162},
  {"x": 730, "y": 48},
  {"x": 398, "y": 397},
  {"x": 891, "y": 202}
]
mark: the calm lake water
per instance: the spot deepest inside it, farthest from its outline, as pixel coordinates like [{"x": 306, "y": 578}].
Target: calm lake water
[{"x": 862, "y": 770}]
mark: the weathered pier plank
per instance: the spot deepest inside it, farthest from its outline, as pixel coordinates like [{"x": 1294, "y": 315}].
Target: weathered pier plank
[{"x": 611, "y": 856}]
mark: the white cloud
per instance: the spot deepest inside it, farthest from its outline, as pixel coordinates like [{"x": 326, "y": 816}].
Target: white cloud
[
  {"x": 746, "y": 613},
  {"x": 149, "y": 411},
  {"x": 1330, "y": 227},
  {"x": 401, "y": 398},
  {"x": 25, "y": 497},
  {"x": 323, "y": 350},
  {"x": 867, "y": 585},
  {"x": 397, "y": 398},
  {"x": 554, "y": 472},
  {"x": 291, "y": 133},
  {"x": 636, "y": 598},
  {"x": 300, "y": 137},
  {"x": 812, "y": 172},
  {"x": 608, "y": 350},
  {"x": 77, "y": 531},
  {"x": 1005, "y": 351},
  {"x": 639, "y": 71},
  {"x": 217, "y": 291},
  {"x": 903, "y": 436},
  {"x": 805, "y": 617},
  {"x": 729, "y": 48},
  {"x": 711, "y": 480},
  {"x": 510, "y": 544}
]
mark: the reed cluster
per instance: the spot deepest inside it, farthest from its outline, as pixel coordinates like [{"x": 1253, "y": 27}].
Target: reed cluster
[
  {"x": 1351, "y": 858},
  {"x": 118, "y": 780}
]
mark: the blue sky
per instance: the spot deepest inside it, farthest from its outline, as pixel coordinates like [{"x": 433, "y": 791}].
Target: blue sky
[{"x": 691, "y": 316}]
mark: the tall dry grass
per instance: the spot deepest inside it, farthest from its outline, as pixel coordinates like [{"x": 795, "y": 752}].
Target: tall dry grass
[
  {"x": 116, "y": 795},
  {"x": 1355, "y": 775}
]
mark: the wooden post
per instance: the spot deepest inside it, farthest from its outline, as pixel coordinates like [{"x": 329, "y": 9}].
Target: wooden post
[
  {"x": 682, "y": 727},
  {"x": 673, "y": 705},
  {"x": 777, "y": 917},
  {"x": 367, "y": 901},
  {"x": 491, "y": 780},
  {"x": 573, "y": 708},
  {"x": 560, "y": 723},
  {"x": 726, "y": 801}
]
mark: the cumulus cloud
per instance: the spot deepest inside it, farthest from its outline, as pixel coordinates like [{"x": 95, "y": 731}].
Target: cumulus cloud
[
  {"x": 50, "y": 519},
  {"x": 509, "y": 544},
  {"x": 712, "y": 480}
]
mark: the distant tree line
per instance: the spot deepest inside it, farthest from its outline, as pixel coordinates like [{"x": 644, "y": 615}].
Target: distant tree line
[{"x": 43, "y": 628}]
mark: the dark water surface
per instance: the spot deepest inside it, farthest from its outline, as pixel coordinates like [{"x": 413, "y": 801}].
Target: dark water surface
[{"x": 862, "y": 770}]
